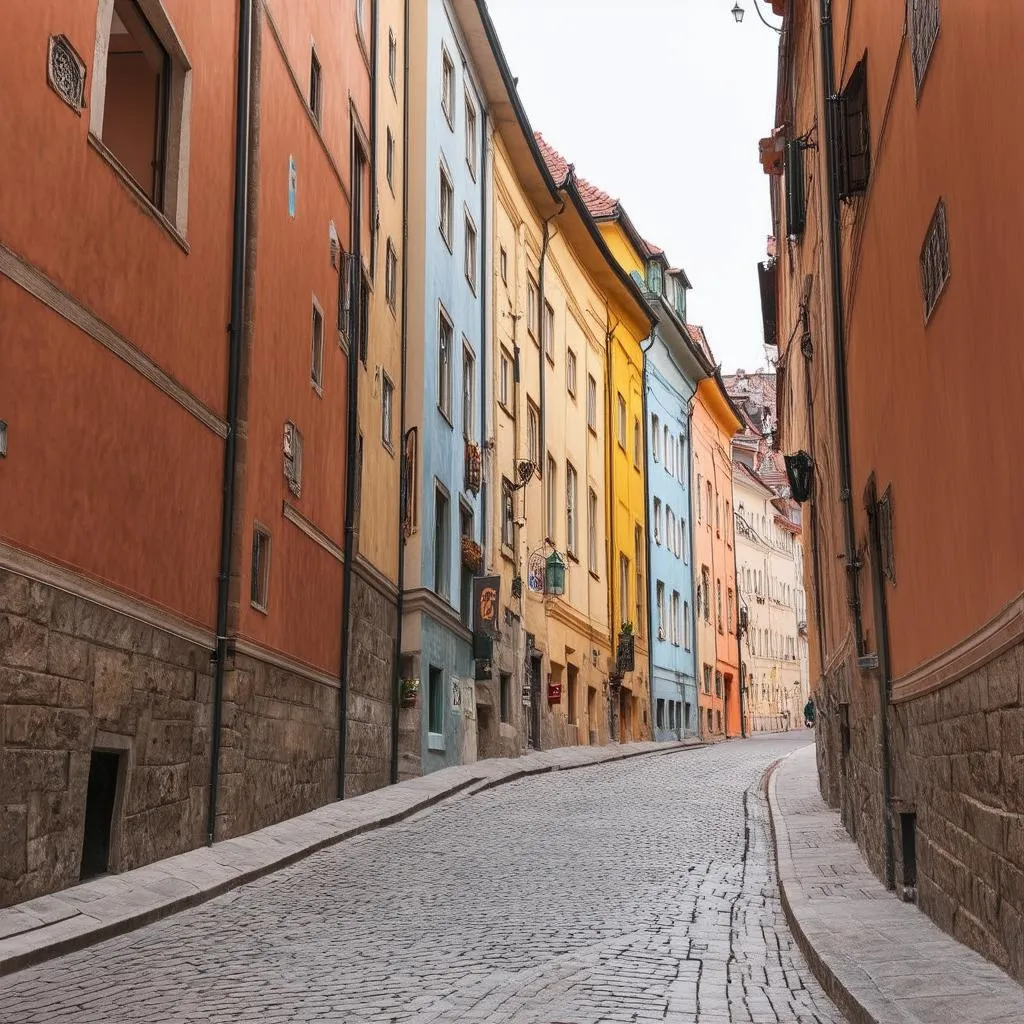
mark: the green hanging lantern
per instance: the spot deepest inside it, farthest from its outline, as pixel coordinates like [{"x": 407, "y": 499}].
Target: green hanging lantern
[{"x": 554, "y": 574}]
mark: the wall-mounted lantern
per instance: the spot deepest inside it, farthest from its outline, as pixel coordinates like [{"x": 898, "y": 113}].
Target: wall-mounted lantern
[
  {"x": 800, "y": 471},
  {"x": 554, "y": 574}
]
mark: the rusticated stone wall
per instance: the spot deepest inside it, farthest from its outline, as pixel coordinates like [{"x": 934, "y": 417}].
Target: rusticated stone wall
[{"x": 957, "y": 758}]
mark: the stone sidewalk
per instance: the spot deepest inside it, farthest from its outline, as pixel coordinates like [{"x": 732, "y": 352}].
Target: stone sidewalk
[
  {"x": 881, "y": 960},
  {"x": 50, "y": 926}
]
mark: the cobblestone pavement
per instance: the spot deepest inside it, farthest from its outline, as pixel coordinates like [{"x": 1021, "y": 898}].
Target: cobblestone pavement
[{"x": 637, "y": 891}]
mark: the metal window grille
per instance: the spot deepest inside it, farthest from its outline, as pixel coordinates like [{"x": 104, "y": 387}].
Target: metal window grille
[
  {"x": 925, "y": 18},
  {"x": 935, "y": 259},
  {"x": 885, "y": 535}
]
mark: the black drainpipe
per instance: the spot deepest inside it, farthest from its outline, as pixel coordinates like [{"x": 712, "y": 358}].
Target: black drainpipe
[
  {"x": 235, "y": 331},
  {"x": 651, "y": 638},
  {"x": 543, "y": 453},
  {"x": 484, "y": 249},
  {"x": 396, "y": 684}
]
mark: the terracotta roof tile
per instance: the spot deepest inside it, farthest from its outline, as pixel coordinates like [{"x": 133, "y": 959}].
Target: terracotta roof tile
[
  {"x": 700, "y": 339},
  {"x": 597, "y": 201}
]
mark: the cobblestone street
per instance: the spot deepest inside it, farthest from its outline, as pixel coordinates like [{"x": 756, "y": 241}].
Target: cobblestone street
[{"x": 637, "y": 891}]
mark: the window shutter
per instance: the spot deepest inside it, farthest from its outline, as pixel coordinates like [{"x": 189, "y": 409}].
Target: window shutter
[
  {"x": 853, "y": 137},
  {"x": 796, "y": 210}
]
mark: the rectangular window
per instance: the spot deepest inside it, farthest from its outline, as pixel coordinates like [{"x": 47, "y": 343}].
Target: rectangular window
[
  {"x": 389, "y": 160},
  {"x": 700, "y": 517},
  {"x": 683, "y": 543},
  {"x": 637, "y": 443},
  {"x": 718, "y": 605},
  {"x": 435, "y": 701},
  {"x": 925, "y": 17},
  {"x": 571, "y": 524},
  {"x": 549, "y": 331},
  {"x": 728, "y": 609},
  {"x": 660, "y": 600},
  {"x": 505, "y": 380},
  {"x": 592, "y": 403},
  {"x": 707, "y": 682},
  {"x": 622, "y": 422},
  {"x": 853, "y": 136},
  {"x": 364, "y": 315},
  {"x": 315, "y": 94},
  {"x": 592, "y": 532},
  {"x": 533, "y": 433},
  {"x": 793, "y": 170},
  {"x": 667, "y": 449},
  {"x": 259, "y": 584},
  {"x": 447, "y": 87},
  {"x": 392, "y": 59},
  {"x": 654, "y": 438},
  {"x": 660, "y": 714},
  {"x": 445, "y": 343},
  {"x": 506, "y": 697},
  {"x": 570, "y": 372},
  {"x": 316, "y": 371},
  {"x": 552, "y": 499},
  {"x": 686, "y": 624},
  {"x": 468, "y": 391},
  {"x": 639, "y": 553},
  {"x": 471, "y": 137},
  {"x": 507, "y": 513},
  {"x": 470, "y": 260},
  {"x": 387, "y": 415},
  {"x": 447, "y": 211},
  {"x": 708, "y": 499},
  {"x": 503, "y": 265},
  {"x": 935, "y": 260},
  {"x": 391, "y": 275},
  {"x": 657, "y": 521},
  {"x": 361, "y": 17},
  {"x": 532, "y": 300},
  {"x": 442, "y": 542},
  {"x": 705, "y": 585},
  {"x": 623, "y": 585}
]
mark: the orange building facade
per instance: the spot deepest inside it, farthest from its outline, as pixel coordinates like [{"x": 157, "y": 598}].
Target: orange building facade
[
  {"x": 175, "y": 405},
  {"x": 891, "y": 298}
]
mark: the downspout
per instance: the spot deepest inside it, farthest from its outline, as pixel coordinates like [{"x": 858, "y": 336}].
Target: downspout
[
  {"x": 542, "y": 454},
  {"x": 651, "y": 638},
  {"x": 236, "y": 330},
  {"x": 396, "y": 680},
  {"x": 693, "y": 556},
  {"x": 843, "y": 410},
  {"x": 484, "y": 266},
  {"x": 610, "y": 560},
  {"x": 739, "y": 631}
]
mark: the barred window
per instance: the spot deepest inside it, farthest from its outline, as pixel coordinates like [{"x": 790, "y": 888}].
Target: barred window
[
  {"x": 935, "y": 259},
  {"x": 925, "y": 16}
]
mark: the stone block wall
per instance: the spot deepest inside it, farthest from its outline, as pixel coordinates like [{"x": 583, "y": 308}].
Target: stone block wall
[
  {"x": 959, "y": 766},
  {"x": 371, "y": 674}
]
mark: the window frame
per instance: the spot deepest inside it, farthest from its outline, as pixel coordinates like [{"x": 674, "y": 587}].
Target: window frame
[
  {"x": 470, "y": 241},
  {"x": 316, "y": 368},
  {"x": 532, "y": 307},
  {"x": 471, "y": 128},
  {"x": 315, "y": 99},
  {"x": 505, "y": 379},
  {"x": 259, "y": 568},
  {"x": 570, "y": 373},
  {"x": 393, "y": 61},
  {"x": 442, "y": 542},
  {"x": 592, "y": 524},
  {"x": 387, "y": 411},
  {"x": 444, "y": 367},
  {"x": 622, "y": 419},
  {"x": 548, "y": 331},
  {"x": 391, "y": 275},
  {"x": 572, "y": 488},
  {"x": 446, "y": 205},
  {"x": 468, "y": 390},
  {"x": 592, "y": 403},
  {"x": 389, "y": 159},
  {"x": 533, "y": 432},
  {"x": 448, "y": 86}
]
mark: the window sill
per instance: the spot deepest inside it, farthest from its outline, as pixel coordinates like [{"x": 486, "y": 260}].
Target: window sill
[
  {"x": 592, "y": 429},
  {"x": 575, "y": 557},
  {"x": 446, "y": 240},
  {"x": 594, "y": 575},
  {"x": 445, "y": 417},
  {"x": 435, "y": 741},
  {"x": 506, "y": 410},
  {"x": 471, "y": 283},
  {"x": 507, "y": 552},
  {"x": 388, "y": 447},
  {"x": 318, "y": 388},
  {"x": 147, "y": 205},
  {"x": 261, "y": 608}
]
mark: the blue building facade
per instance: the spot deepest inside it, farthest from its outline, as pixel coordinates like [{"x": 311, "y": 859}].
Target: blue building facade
[
  {"x": 672, "y": 370},
  {"x": 444, "y": 385}
]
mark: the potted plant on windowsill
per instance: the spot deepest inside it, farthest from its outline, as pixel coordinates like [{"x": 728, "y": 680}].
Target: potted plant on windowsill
[
  {"x": 472, "y": 554},
  {"x": 410, "y": 693}
]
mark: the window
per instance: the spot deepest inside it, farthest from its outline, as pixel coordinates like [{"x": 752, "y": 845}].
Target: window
[
  {"x": 532, "y": 300},
  {"x": 728, "y": 524},
  {"x": 591, "y": 403},
  {"x": 705, "y": 595},
  {"x": 718, "y": 684},
  {"x": 700, "y": 518},
  {"x": 506, "y": 697},
  {"x": 718, "y": 517},
  {"x": 468, "y": 390},
  {"x": 549, "y": 331},
  {"x": 533, "y": 433},
  {"x": 622, "y": 421},
  {"x": 315, "y": 93},
  {"x": 571, "y": 523},
  {"x": 659, "y": 591},
  {"x": 470, "y": 260},
  {"x": 448, "y": 87},
  {"x": 654, "y": 438},
  {"x": 659, "y": 718},
  {"x": 442, "y": 542},
  {"x": 507, "y": 513},
  {"x": 935, "y": 260},
  {"x": 503, "y": 265},
  {"x": 552, "y": 499},
  {"x": 680, "y": 299},
  {"x": 686, "y": 624},
  {"x": 387, "y": 406},
  {"x": 445, "y": 341},
  {"x": 138, "y": 104},
  {"x": 471, "y": 137},
  {"x": 707, "y": 685},
  {"x": 708, "y": 499},
  {"x": 623, "y": 584},
  {"x": 389, "y": 162},
  {"x": 657, "y": 521},
  {"x": 728, "y": 609},
  {"x": 447, "y": 204},
  {"x": 592, "y": 532},
  {"x": 637, "y": 442},
  {"x": 505, "y": 381},
  {"x": 570, "y": 372},
  {"x": 853, "y": 137},
  {"x": 391, "y": 276},
  {"x": 925, "y": 17},
  {"x": 796, "y": 207},
  {"x": 666, "y": 448},
  {"x": 639, "y": 553},
  {"x": 364, "y": 315},
  {"x": 435, "y": 701},
  {"x": 718, "y": 605},
  {"x": 683, "y": 542},
  {"x": 361, "y": 17},
  {"x": 654, "y": 277},
  {"x": 316, "y": 370},
  {"x": 392, "y": 59},
  {"x": 293, "y": 458},
  {"x": 259, "y": 584},
  {"x": 672, "y": 714},
  {"x": 675, "y": 617}
]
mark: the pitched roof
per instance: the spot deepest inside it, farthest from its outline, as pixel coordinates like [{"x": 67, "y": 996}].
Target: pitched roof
[{"x": 700, "y": 339}]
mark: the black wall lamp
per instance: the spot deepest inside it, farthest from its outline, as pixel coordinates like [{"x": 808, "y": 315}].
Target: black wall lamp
[
  {"x": 800, "y": 471},
  {"x": 738, "y": 12}
]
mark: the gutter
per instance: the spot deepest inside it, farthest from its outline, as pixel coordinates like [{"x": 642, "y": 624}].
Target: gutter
[
  {"x": 484, "y": 276},
  {"x": 542, "y": 454},
  {"x": 651, "y": 637},
  {"x": 236, "y": 329},
  {"x": 693, "y": 553},
  {"x": 396, "y": 682}
]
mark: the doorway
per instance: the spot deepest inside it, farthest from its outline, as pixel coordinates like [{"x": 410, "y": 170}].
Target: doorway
[
  {"x": 535, "y": 670},
  {"x": 100, "y": 800}
]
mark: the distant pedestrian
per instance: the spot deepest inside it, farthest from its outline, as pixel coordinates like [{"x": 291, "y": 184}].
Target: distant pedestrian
[{"x": 809, "y": 713}]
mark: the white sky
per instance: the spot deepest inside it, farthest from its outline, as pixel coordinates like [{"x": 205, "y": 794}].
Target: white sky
[{"x": 661, "y": 103}]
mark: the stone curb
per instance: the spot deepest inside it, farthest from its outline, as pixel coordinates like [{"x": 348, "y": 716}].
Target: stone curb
[
  {"x": 791, "y": 893},
  {"x": 52, "y": 926}
]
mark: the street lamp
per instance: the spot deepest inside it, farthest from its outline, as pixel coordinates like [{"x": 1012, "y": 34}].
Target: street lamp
[{"x": 738, "y": 12}]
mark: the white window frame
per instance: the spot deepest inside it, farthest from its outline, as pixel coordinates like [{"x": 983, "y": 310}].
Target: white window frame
[
  {"x": 448, "y": 86},
  {"x": 444, "y": 375},
  {"x": 445, "y": 206},
  {"x": 316, "y": 362},
  {"x": 570, "y": 372},
  {"x": 259, "y": 582},
  {"x": 391, "y": 275},
  {"x": 571, "y": 510},
  {"x": 505, "y": 380},
  {"x": 470, "y": 260},
  {"x": 471, "y": 126},
  {"x": 591, "y": 403},
  {"x": 549, "y": 330},
  {"x": 393, "y": 61},
  {"x": 387, "y": 412},
  {"x": 592, "y": 523},
  {"x": 532, "y": 304},
  {"x": 468, "y": 389}
]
